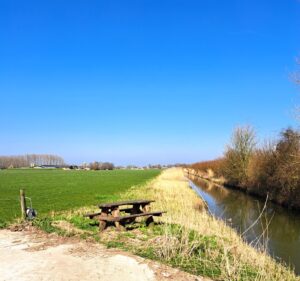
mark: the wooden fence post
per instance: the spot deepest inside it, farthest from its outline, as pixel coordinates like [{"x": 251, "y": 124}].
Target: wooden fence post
[{"x": 23, "y": 203}]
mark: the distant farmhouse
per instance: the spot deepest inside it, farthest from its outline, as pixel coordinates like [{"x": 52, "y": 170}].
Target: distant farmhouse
[{"x": 50, "y": 166}]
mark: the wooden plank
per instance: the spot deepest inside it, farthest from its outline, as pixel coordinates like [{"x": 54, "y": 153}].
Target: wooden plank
[
  {"x": 92, "y": 215},
  {"x": 157, "y": 213},
  {"x": 126, "y": 210},
  {"x": 122, "y": 203},
  {"x": 122, "y": 218}
]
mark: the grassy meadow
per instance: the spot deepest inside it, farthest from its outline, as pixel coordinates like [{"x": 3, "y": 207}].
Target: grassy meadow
[{"x": 57, "y": 190}]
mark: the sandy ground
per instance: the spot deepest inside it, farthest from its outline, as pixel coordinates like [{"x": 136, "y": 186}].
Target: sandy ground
[{"x": 35, "y": 256}]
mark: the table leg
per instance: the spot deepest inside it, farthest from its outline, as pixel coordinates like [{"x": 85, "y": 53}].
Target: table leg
[
  {"x": 102, "y": 223},
  {"x": 146, "y": 208},
  {"x": 136, "y": 209},
  {"x": 116, "y": 213},
  {"x": 149, "y": 221}
]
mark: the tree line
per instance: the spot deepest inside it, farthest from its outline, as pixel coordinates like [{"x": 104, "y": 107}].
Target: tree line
[
  {"x": 30, "y": 160},
  {"x": 272, "y": 169},
  {"x": 101, "y": 166}
]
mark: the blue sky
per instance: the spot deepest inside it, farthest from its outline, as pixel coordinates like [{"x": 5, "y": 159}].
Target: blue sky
[{"x": 144, "y": 81}]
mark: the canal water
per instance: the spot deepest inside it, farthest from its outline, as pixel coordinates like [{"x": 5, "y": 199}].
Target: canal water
[{"x": 261, "y": 224}]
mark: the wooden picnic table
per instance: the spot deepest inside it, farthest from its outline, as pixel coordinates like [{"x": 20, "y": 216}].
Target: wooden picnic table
[{"x": 111, "y": 212}]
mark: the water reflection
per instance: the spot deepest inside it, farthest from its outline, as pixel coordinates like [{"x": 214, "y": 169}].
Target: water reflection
[{"x": 276, "y": 228}]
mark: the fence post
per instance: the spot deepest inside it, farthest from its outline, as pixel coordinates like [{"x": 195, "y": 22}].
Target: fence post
[{"x": 23, "y": 203}]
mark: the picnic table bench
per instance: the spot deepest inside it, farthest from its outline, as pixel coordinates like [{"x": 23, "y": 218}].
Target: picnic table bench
[{"x": 111, "y": 212}]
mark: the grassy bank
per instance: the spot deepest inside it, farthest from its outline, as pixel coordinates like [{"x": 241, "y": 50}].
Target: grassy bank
[
  {"x": 187, "y": 237},
  {"x": 56, "y": 190},
  {"x": 202, "y": 244}
]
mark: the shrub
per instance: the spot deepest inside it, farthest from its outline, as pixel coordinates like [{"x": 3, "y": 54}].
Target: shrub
[
  {"x": 101, "y": 166},
  {"x": 287, "y": 173},
  {"x": 275, "y": 169},
  {"x": 215, "y": 165},
  {"x": 237, "y": 156},
  {"x": 261, "y": 168}
]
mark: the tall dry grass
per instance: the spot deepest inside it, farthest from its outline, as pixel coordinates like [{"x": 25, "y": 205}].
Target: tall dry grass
[{"x": 225, "y": 252}]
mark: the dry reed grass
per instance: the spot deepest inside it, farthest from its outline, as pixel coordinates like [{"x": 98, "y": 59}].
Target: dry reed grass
[{"x": 233, "y": 257}]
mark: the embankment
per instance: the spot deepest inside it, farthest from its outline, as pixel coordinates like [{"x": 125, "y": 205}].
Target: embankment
[{"x": 202, "y": 244}]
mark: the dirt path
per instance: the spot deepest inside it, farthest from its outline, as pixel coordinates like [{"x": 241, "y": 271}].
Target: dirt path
[{"x": 35, "y": 256}]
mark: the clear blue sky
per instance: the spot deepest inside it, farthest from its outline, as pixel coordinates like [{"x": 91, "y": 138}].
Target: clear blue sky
[{"x": 144, "y": 81}]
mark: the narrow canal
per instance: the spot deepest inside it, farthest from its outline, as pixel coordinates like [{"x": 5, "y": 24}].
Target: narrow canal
[{"x": 262, "y": 225}]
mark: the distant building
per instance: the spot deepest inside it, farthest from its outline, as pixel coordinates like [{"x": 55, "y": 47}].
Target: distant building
[{"x": 51, "y": 166}]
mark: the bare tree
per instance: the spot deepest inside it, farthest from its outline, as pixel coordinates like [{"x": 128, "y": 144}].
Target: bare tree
[
  {"x": 30, "y": 160},
  {"x": 237, "y": 155}
]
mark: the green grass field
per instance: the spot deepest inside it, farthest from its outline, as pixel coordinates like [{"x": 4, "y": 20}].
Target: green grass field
[{"x": 62, "y": 190}]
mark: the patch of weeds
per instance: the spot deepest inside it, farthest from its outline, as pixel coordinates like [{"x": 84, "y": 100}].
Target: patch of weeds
[
  {"x": 143, "y": 229},
  {"x": 128, "y": 235},
  {"x": 155, "y": 230},
  {"x": 97, "y": 238},
  {"x": 198, "y": 266},
  {"x": 173, "y": 230},
  {"x": 192, "y": 252},
  {"x": 46, "y": 225},
  {"x": 201, "y": 244},
  {"x": 193, "y": 235},
  {"x": 85, "y": 236},
  {"x": 249, "y": 273},
  {"x": 84, "y": 223},
  {"x": 58, "y": 217},
  {"x": 149, "y": 253},
  {"x": 204, "y": 255},
  {"x": 115, "y": 244},
  {"x": 210, "y": 242},
  {"x": 3, "y": 224}
]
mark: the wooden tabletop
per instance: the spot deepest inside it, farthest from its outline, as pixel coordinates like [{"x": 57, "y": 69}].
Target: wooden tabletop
[{"x": 122, "y": 203}]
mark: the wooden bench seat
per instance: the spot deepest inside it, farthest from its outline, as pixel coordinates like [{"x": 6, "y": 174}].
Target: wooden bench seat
[
  {"x": 124, "y": 218},
  {"x": 91, "y": 216}
]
